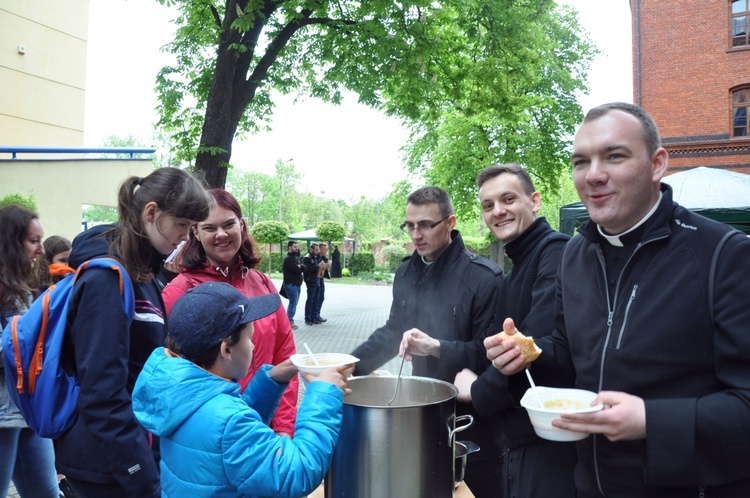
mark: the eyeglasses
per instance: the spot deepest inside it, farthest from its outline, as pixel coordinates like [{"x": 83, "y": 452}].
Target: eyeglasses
[{"x": 422, "y": 226}]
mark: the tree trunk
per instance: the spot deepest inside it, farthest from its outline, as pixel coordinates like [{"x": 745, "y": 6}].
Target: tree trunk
[
  {"x": 219, "y": 126},
  {"x": 231, "y": 91},
  {"x": 221, "y": 121}
]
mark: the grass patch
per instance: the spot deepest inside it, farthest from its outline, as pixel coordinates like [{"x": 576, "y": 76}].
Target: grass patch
[{"x": 367, "y": 279}]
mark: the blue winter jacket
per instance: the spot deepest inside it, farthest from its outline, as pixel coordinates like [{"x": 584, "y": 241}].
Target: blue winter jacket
[{"x": 216, "y": 442}]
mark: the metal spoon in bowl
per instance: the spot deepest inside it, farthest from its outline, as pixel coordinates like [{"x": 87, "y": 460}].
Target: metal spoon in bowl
[
  {"x": 533, "y": 388},
  {"x": 398, "y": 379}
]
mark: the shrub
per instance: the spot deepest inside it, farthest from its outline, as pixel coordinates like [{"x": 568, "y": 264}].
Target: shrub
[
  {"x": 478, "y": 245},
  {"x": 393, "y": 256},
  {"x": 345, "y": 272},
  {"x": 277, "y": 262},
  {"x": 361, "y": 263}
]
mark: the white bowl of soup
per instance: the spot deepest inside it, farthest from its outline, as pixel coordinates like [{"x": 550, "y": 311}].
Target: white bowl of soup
[
  {"x": 305, "y": 362},
  {"x": 556, "y": 401}
]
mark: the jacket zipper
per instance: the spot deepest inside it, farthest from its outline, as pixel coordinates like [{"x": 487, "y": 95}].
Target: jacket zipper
[
  {"x": 627, "y": 314},
  {"x": 610, "y": 316}
]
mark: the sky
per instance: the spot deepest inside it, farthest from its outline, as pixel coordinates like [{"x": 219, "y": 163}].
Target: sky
[{"x": 342, "y": 152}]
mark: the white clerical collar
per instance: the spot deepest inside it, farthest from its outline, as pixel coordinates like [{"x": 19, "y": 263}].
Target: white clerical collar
[
  {"x": 615, "y": 239},
  {"x": 428, "y": 263}
]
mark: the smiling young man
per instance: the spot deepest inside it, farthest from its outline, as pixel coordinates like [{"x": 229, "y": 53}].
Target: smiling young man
[
  {"x": 651, "y": 304},
  {"x": 530, "y": 467},
  {"x": 443, "y": 302}
]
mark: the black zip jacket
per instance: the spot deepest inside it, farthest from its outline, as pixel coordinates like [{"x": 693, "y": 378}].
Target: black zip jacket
[
  {"x": 310, "y": 263},
  {"x": 527, "y": 295},
  {"x": 676, "y": 336}
]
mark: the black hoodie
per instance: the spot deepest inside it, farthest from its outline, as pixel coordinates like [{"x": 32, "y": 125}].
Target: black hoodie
[{"x": 106, "y": 444}]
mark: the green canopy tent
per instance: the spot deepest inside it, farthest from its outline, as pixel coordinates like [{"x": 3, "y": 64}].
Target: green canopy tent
[{"x": 714, "y": 193}]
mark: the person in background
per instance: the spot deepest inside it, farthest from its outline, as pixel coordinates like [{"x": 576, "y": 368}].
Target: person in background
[
  {"x": 336, "y": 263},
  {"x": 530, "y": 467},
  {"x": 56, "y": 252},
  {"x": 323, "y": 274},
  {"x": 215, "y": 441},
  {"x": 312, "y": 282},
  {"x": 25, "y": 458},
  {"x": 106, "y": 452},
  {"x": 443, "y": 303},
  {"x": 652, "y": 314},
  {"x": 292, "y": 271},
  {"x": 220, "y": 249}
]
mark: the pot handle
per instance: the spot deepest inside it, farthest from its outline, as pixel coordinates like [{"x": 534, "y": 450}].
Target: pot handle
[{"x": 456, "y": 420}]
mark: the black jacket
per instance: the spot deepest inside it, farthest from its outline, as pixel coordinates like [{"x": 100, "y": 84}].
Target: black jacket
[
  {"x": 452, "y": 302},
  {"x": 527, "y": 295},
  {"x": 106, "y": 443},
  {"x": 310, "y": 263},
  {"x": 676, "y": 336},
  {"x": 292, "y": 269}
]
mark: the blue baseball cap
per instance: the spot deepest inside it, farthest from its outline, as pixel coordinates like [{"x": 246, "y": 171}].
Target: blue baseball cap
[{"x": 208, "y": 313}]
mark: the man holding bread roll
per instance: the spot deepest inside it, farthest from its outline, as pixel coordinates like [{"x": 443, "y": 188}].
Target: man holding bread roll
[
  {"x": 652, "y": 314},
  {"x": 530, "y": 467}
]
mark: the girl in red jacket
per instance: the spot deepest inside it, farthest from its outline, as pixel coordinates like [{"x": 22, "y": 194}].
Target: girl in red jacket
[{"x": 220, "y": 249}]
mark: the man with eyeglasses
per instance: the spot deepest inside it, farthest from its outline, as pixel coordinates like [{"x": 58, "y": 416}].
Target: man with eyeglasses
[
  {"x": 443, "y": 302},
  {"x": 530, "y": 467}
]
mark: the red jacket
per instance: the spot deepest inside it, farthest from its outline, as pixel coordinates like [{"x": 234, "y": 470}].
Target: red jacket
[{"x": 273, "y": 337}]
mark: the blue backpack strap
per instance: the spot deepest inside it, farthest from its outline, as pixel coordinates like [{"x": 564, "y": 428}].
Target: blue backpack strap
[{"x": 126, "y": 285}]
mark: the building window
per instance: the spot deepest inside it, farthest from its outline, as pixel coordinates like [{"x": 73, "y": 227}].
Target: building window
[
  {"x": 740, "y": 105},
  {"x": 740, "y": 22}
]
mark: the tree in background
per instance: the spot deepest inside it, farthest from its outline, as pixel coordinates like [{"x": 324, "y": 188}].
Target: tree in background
[
  {"x": 92, "y": 214},
  {"x": 270, "y": 232},
  {"x": 515, "y": 100},
  {"x": 20, "y": 200},
  {"x": 331, "y": 231},
  {"x": 505, "y": 66},
  {"x": 255, "y": 193}
]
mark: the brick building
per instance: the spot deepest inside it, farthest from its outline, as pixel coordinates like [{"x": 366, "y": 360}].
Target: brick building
[{"x": 691, "y": 72}]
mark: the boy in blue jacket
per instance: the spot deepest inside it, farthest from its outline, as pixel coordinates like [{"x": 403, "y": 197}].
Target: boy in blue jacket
[{"x": 215, "y": 441}]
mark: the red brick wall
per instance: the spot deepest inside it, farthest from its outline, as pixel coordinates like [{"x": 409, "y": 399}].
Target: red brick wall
[{"x": 686, "y": 69}]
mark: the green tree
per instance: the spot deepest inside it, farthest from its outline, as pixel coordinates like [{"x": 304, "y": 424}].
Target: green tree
[
  {"x": 99, "y": 214},
  {"x": 270, "y": 232},
  {"x": 20, "y": 200},
  {"x": 287, "y": 181},
  {"x": 414, "y": 59},
  {"x": 527, "y": 117},
  {"x": 331, "y": 230},
  {"x": 254, "y": 192},
  {"x": 553, "y": 199}
]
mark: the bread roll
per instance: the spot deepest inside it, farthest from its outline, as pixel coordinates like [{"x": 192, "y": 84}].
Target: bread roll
[{"x": 529, "y": 349}]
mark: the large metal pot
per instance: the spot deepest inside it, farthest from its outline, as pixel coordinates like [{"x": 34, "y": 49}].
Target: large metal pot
[{"x": 401, "y": 450}]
